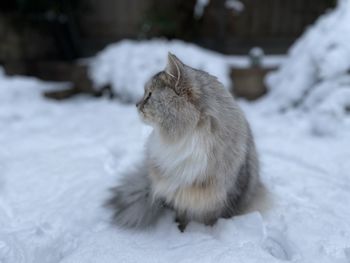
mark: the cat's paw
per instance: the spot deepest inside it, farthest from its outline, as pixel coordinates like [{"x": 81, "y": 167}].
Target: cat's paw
[{"x": 181, "y": 223}]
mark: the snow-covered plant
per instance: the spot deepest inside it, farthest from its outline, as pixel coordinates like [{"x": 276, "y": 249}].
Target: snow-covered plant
[{"x": 315, "y": 76}]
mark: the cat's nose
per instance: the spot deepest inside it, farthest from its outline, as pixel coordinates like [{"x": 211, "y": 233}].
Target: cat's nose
[{"x": 139, "y": 104}]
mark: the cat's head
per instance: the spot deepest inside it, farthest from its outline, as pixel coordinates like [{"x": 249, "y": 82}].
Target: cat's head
[{"x": 171, "y": 99}]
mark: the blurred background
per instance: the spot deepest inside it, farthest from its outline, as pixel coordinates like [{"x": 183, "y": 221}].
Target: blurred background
[{"x": 46, "y": 38}]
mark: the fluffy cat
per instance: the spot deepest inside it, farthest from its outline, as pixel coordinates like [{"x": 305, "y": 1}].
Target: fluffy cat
[{"x": 200, "y": 159}]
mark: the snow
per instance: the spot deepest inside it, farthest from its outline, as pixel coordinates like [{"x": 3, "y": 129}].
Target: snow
[
  {"x": 128, "y": 64},
  {"x": 58, "y": 159},
  {"x": 199, "y": 8},
  {"x": 234, "y": 5},
  {"x": 317, "y": 69}
]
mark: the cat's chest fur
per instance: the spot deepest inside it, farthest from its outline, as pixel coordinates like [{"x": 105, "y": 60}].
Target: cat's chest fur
[{"x": 179, "y": 164}]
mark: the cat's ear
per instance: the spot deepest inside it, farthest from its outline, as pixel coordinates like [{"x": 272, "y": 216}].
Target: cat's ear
[
  {"x": 179, "y": 79},
  {"x": 175, "y": 68}
]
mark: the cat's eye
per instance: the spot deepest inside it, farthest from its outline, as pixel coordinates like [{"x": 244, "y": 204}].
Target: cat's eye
[{"x": 148, "y": 97}]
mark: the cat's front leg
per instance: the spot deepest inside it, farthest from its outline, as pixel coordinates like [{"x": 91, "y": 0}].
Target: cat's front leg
[{"x": 181, "y": 221}]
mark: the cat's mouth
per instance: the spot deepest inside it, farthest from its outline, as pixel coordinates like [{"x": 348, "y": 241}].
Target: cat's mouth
[
  {"x": 140, "y": 110},
  {"x": 144, "y": 117},
  {"x": 141, "y": 113}
]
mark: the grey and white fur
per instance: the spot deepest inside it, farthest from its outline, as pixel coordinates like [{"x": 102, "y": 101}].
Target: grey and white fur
[{"x": 200, "y": 159}]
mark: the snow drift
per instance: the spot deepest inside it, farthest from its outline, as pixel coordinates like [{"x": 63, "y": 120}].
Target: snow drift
[
  {"x": 128, "y": 64},
  {"x": 316, "y": 74}
]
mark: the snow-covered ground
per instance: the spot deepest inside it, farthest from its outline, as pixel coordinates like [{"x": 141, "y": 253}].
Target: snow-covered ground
[{"x": 58, "y": 159}]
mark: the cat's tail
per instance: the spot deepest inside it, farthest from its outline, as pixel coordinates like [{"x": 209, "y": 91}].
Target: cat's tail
[{"x": 132, "y": 202}]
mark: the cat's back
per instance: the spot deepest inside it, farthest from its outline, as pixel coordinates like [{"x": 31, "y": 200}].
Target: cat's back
[{"x": 226, "y": 119}]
